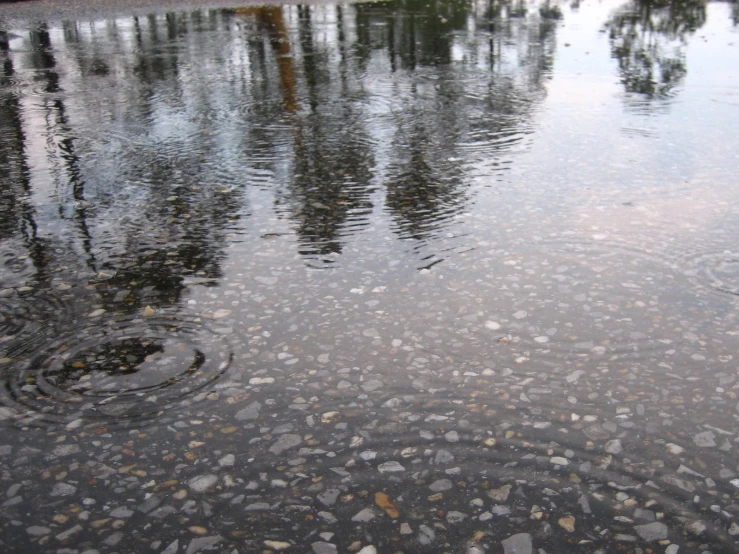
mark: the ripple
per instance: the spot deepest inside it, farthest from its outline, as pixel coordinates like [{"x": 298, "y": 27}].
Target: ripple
[
  {"x": 28, "y": 318},
  {"x": 123, "y": 370},
  {"x": 12, "y": 321},
  {"x": 718, "y": 271}
]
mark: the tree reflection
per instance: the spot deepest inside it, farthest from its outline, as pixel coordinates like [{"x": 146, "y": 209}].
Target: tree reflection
[
  {"x": 646, "y": 39},
  {"x": 136, "y": 220},
  {"x": 463, "y": 104},
  {"x": 156, "y": 127},
  {"x": 19, "y": 215}
]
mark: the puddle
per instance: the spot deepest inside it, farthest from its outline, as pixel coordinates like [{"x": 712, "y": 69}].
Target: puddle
[{"x": 373, "y": 277}]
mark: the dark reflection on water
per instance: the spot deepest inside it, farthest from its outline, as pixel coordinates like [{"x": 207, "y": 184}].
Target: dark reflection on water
[
  {"x": 262, "y": 265},
  {"x": 646, "y": 38}
]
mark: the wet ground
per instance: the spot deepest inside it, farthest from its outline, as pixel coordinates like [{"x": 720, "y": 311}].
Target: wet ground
[{"x": 390, "y": 277}]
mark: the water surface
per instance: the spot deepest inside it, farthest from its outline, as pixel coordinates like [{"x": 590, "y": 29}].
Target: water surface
[{"x": 410, "y": 277}]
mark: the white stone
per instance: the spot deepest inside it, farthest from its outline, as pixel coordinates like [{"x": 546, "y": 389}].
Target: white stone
[{"x": 202, "y": 483}]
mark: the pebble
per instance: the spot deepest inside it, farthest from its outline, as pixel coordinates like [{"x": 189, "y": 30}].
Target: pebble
[
  {"x": 365, "y": 515},
  {"x": 202, "y": 483},
  {"x": 452, "y": 436},
  {"x": 248, "y": 413},
  {"x": 64, "y": 535},
  {"x": 324, "y": 548},
  {"x": 285, "y": 442},
  {"x": 705, "y": 439},
  {"x": 227, "y": 461},
  {"x": 329, "y": 496},
  {"x": 121, "y": 512},
  {"x": 201, "y": 543},
  {"x": 426, "y": 535},
  {"x": 63, "y": 489},
  {"x": 390, "y": 467},
  {"x": 277, "y": 545},
  {"x": 567, "y": 523},
  {"x": 500, "y": 494},
  {"x": 443, "y": 457},
  {"x": 520, "y": 543},
  {"x": 441, "y": 485},
  {"x": 652, "y": 531},
  {"x": 455, "y": 517}
]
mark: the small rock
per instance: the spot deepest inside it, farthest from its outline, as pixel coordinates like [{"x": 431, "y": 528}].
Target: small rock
[
  {"x": 443, "y": 457},
  {"x": 372, "y": 385},
  {"x": 364, "y": 516},
  {"x": 614, "y": 447},
  {"x": 696, "y": 527},
  {"x": 368, "y": 550},
  {"x": 324, "y": 548},
  {"x": 227, "y": 461},
  {"x": 705, "y": 439},
  {"x": 567, "y": 523},
  {"x": 441, "y": 485},
  {"x": 64, "y": 535},
  {"x": 390, "y": 467},
  {"x": 202, "y": 483},
  {"x": 196, "y": 545},
  {"x": 63, "y": 489},
  {"x": 652, "y": 531},
  {"x": 426, "y": 535},
  {"x": 285, "y": 442},
  {"x": 277, "y": 545},
  {"x": 500, "y": 494},
  {"x": 455, "y": 517},
  {"x": 121, "y": 512},
  {"x": 595, "y": 432},
  {"x": 329, "y": 496},
  {"x": 518, "y": 544},
  {"x": 250, "y": 412},
  {"x": 257, "y": 507}
]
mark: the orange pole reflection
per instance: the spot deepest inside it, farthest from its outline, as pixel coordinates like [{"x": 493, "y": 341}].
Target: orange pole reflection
[{"x": 270, "y": 18}]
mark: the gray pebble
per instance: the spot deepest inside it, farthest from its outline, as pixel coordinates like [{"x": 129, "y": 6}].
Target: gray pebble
[
  {"x": 285, "y": 442},
  {"x": 323, "y": 548},
  {"x": 441, "y": 485},
  {"x": 518, "y": 544},
  {"x": 652, "y": 531},
  {"x": 202, "y": 483}
]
